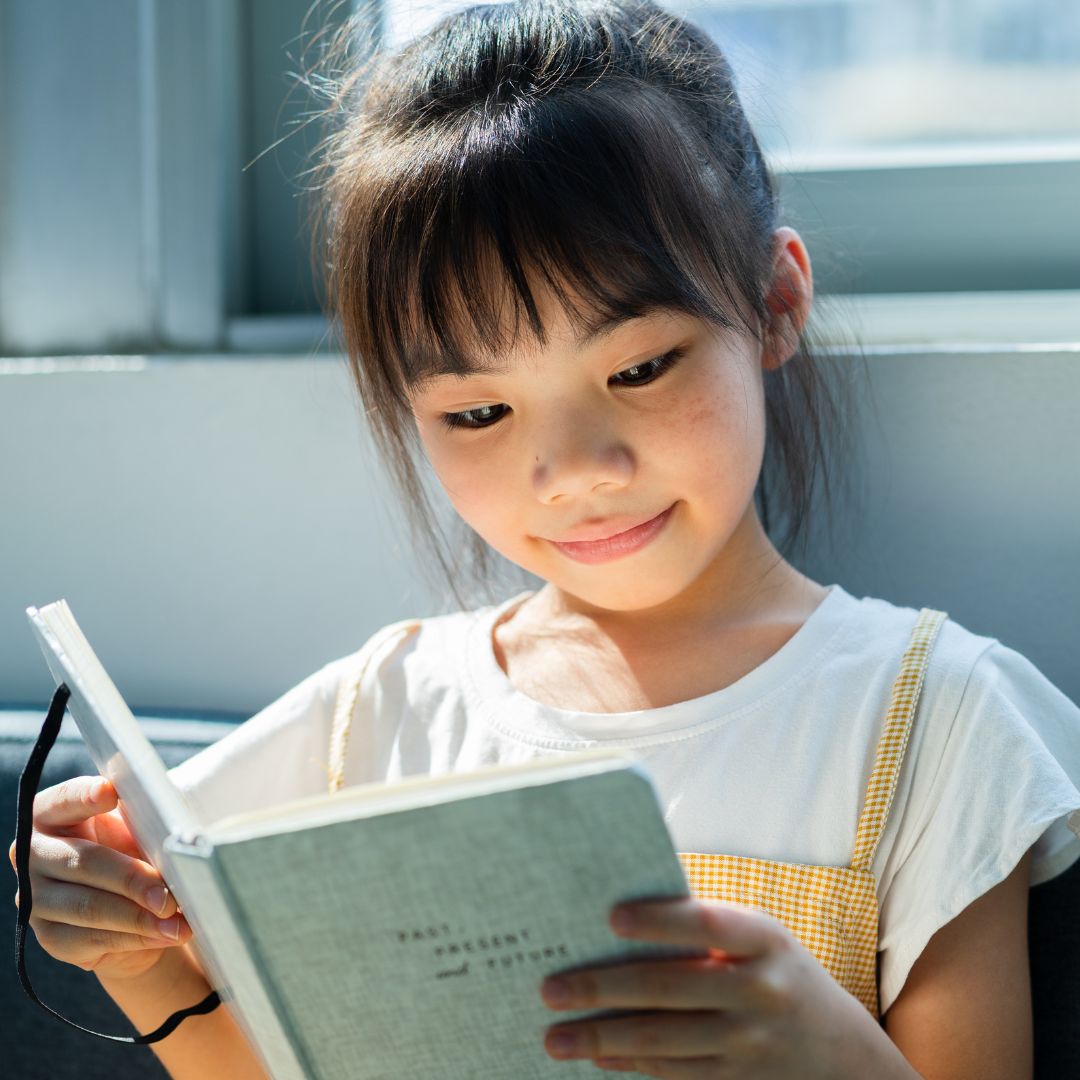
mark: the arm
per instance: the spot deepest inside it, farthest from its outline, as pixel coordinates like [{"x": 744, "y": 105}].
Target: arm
[
  {"x": 965, "y": 1010},
  {"x": 202, "y": 1047}
]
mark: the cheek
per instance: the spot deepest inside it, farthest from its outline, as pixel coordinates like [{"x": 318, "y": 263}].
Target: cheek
[
  {"x": 726, "y": 417},
  {"x": 721, "y": 433},
  {"x": 475, "y": 482}
]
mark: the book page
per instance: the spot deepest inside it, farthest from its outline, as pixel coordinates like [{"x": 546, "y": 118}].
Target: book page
[
  {"x": 151, "y": 805},
  {"x": 366, "y": 800}
]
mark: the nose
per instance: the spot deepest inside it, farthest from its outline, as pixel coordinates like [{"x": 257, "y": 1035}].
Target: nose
[{"x": 577, "y": 456}]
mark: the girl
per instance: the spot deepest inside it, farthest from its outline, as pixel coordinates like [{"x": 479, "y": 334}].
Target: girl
[{"x": 554, "y": 250}]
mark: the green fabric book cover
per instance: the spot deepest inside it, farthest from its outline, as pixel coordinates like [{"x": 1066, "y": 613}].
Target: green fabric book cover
[{"x": 412, "y": 942}]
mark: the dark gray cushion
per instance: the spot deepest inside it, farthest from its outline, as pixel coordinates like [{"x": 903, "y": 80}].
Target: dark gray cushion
[
  {"x": 1054, "y": 944},
  {"x": 34, "y": 1044}
]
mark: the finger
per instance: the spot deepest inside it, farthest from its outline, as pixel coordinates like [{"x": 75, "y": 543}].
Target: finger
[
  {"x": 675, "y": 1068},
  {"x": 111, "y": 830},
  {"x": 73, "y": 801},
  {"x": 80, "y": 945},
  {"x": 653, "y": 1035},
  {"x": 72, "y": 859},
  {"x": 78, "y": 905},
  {"x": 710, "y": 982},
  {"x": 738, "y": 931}
]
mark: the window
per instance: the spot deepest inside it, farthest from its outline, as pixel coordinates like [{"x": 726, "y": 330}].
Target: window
[{"x": 152, "y": 198}]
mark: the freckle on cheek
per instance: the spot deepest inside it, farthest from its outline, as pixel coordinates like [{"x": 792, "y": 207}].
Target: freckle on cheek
[{"x": 702, "y": 415}]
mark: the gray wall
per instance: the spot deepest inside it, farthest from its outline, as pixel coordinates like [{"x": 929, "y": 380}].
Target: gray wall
[
  {"x": 971, "y": 504},
  {"x": 217, "y": 525},
  {"x": 221, "y": 527}
]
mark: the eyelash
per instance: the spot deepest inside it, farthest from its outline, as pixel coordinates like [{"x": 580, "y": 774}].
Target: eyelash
[{"x": 660, "y": 365}]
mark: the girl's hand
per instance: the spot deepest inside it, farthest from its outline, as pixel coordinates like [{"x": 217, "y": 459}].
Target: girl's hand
[
  {"x": 96, "y": 899},
  {"x": 759, "y": 1006}
]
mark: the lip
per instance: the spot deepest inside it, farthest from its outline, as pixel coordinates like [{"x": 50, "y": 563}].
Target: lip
[{"x": 615, "y": 545}]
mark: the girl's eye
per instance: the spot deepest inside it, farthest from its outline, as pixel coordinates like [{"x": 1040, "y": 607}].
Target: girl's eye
[
  {"x": 638, "y": 375},
  {"x": 651, "y": 370},
  {"x": 484, "y": 416}
]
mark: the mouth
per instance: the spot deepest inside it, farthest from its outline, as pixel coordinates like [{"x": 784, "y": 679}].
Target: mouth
[{"x": 617, "y": 544}]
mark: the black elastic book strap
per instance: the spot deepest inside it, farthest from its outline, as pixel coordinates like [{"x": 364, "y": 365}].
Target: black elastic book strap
[{"x": 28, "y": 785}]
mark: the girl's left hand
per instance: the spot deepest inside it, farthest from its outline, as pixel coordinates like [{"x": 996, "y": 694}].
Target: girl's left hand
[{"x": 759, "y": 1006}]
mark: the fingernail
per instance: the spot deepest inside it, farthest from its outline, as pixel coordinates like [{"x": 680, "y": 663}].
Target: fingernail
[
  {"x": 170, "y": 928},
  {"x": 98, "y": 790},
  {"x": 562, "y": 1043},
  {"x": 556, "y": 990},
  {"x": 157, "y": 898},
  {"x": 623, "y": 919}
]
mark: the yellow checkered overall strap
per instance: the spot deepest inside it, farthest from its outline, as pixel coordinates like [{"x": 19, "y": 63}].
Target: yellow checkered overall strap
[
  {"x": 349, "y": 693},
  {"x": 894, "y": 738}
]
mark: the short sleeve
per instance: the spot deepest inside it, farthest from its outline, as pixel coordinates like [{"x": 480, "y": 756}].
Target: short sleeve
[
  {"x": 1008, "y": 780},
  {"x": 280, "y": 753}
]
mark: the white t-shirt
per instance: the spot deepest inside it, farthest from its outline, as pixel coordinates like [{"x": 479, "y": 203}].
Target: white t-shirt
[{"x": 774, "y": 766}]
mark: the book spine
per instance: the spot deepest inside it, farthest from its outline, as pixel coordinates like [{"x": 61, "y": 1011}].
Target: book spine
[{"x": 233, "y": 969}]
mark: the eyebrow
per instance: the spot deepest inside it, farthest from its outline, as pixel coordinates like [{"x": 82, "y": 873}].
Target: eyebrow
[
  {"x": 597, "y": 331},
  {"x": 608, "y": 325}
]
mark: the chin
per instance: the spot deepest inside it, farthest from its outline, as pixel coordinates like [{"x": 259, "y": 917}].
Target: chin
[{"x": 632, "y": 592}]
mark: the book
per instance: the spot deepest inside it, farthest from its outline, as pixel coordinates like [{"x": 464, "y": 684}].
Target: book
[{"x": 393, "y": 931}]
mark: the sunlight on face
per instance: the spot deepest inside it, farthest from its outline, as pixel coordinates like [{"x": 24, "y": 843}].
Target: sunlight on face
[{"x": 666, "y": 411}]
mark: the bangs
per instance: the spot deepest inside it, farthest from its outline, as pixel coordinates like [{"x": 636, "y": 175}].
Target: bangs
[{"x": 602, "y": 198}]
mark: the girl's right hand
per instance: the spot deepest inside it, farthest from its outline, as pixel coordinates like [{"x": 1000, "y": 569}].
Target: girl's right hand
[{"x": 97, "y": 901}]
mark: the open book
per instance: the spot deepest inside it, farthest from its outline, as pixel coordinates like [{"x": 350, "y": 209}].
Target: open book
[{"x": 392, "y": 931}]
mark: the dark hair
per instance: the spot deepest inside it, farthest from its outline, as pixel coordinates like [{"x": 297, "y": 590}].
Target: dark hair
[{"x": 597, "y": 147}]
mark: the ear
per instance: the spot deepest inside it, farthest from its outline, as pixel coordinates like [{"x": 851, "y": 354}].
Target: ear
[{"x": 790, "y": 297}]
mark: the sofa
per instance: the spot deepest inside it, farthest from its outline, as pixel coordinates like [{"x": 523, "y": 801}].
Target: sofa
[{"x": 36, "y": 1046}]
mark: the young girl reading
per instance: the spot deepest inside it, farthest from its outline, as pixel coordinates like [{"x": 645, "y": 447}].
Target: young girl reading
[{"x": 556, "y": 258}]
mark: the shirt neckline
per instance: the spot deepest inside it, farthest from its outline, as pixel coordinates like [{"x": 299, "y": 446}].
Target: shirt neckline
[{"x": 521, "y": 717}]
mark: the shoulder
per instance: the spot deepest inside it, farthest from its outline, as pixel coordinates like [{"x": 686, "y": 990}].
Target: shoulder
[
  {"x": 966, "y": 673},
  {"x": 988, "y": 722},
  {"x": 992, "y": 713},
  {"x": 282, "y": 752},
  {"x": 885, "y": 625},
  {"x": 879, "y": 632},
  {"x": 992, "y": 772},
  {"x": 400, "y": 652},
  {"x": 419, "y": 652},
  {"x": 266, "y": 759},
  {"x": 963, "y": 663},
  {"x": 386, "y": 648}
]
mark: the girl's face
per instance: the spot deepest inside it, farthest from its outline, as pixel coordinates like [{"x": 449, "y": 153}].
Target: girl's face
[{"x": 580, "y": 440}]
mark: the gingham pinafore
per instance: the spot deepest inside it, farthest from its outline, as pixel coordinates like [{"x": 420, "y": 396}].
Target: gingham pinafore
[{"x": 832, "y": 910}]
